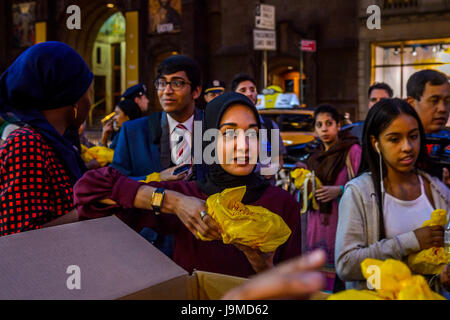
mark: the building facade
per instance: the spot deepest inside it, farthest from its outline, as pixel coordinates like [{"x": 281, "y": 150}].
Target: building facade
[
  {"x": 123, "y": 41},
  {"x": 414, "y": 35}
]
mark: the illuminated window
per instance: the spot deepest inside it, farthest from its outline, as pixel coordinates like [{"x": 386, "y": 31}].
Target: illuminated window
[{"x": 394, "y": 62}]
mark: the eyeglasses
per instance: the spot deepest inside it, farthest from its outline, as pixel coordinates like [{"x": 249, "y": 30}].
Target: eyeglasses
[{"x": 161, "y": 84}]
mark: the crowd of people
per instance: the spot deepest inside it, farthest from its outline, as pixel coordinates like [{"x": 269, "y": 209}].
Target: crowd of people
[{"x": 378, "y": 185}]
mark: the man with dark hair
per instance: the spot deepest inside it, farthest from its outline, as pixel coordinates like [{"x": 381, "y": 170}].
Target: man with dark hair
[
  {"x": 246, "y": 85},
  {"x": 429, "y": 94},
  {"x": 145, "y": 145},
  {"x": 164, "y": 139},
  {"x": 379, "y": 91}
]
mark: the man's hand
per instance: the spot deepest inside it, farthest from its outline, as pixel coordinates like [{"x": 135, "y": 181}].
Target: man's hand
[{"x": 295, "y": 278}]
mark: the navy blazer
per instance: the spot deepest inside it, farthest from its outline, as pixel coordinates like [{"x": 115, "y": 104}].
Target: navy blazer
[{"x": 143, "y": 146}]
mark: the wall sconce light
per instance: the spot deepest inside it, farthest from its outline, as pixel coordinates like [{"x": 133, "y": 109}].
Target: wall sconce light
[{"x": 414, "y": 52}]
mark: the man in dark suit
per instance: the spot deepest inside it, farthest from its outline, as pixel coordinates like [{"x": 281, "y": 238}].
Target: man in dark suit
[
  {"x": 164, "y": 139},
  {"x": 148, "y": 144}
]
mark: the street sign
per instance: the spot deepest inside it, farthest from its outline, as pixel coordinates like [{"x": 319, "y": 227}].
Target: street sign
[
  {"x": 264, "y": 40},
  {"x": 265, "y": 17},
  {"x": 308, "y": 45}
]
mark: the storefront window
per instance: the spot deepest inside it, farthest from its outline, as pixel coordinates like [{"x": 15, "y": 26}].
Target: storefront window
[{"x": 394, "y": 62}]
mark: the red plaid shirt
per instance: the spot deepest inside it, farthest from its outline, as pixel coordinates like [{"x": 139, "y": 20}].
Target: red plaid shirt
[{"x": 34, "y": 186}]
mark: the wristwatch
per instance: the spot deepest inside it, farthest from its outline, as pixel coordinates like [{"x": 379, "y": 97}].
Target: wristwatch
[{"x": 157, "y": 199}]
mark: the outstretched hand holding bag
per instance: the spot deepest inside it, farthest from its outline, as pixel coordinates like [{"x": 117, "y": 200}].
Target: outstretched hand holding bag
[{"x": 252, "y": 226}]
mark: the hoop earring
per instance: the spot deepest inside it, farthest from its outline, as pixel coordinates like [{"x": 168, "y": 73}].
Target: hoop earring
[{"x": 75, "y": 109}]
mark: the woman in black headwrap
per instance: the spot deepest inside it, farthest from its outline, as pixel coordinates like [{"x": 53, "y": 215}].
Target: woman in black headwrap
[
  {"x": 184, "y": 201},
  {"x": 47, "y": 92}
]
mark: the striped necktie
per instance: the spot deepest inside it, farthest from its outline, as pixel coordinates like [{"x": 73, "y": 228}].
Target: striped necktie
[{"x": 181, "y": 151}]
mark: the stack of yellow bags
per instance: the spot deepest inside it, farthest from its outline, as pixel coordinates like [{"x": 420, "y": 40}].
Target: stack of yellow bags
[
  {"x": 305, "y": 180},
  {"x": 392, "y": 281},
  {"x": 253, "y": 226}
]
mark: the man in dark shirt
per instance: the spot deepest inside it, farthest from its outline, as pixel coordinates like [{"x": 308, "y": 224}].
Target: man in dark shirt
[
  {"x": 377, "y": 92},
  {"x": 164, "y": 139},
  {"x": 429, "y": 94}
]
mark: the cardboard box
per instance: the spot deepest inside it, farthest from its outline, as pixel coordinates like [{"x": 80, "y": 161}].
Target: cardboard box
[{"x": 112, "y": 261}]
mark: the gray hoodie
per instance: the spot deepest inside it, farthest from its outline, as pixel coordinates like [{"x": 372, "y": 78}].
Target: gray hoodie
[{"x": 358, "y": 229}]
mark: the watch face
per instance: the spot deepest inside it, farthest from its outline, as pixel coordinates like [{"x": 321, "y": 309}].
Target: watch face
[{"x": 157, "y": 199}]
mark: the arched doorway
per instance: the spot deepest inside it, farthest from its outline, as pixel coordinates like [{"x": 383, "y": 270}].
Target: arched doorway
[
  {"x": 108, "y": 66},
  {"x": 287, "y": 77},
  {"x": 94, "y": 15}
]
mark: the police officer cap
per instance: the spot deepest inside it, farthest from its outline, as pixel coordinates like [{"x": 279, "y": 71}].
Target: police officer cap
[
  {"x": 215, "y": 86},
  {"x": 135, "y": 91}
]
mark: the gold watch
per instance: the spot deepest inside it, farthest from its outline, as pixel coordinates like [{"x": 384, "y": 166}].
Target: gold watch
[{"x": 157, "y": 199}]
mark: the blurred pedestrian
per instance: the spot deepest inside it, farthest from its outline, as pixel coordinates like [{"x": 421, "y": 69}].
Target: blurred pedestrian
[
  {"x": 138, "y": 94},
  {"x": 246, "y": 85},
  {"x": 334, "y": 161},
  {"x": 126, "y": 110},
  {"x": 376, "y": 92}
]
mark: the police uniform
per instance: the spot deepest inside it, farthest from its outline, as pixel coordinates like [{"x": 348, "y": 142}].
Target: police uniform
[
  {"x": 138, "y": 90},
  {"x": 215, "y": 87}
]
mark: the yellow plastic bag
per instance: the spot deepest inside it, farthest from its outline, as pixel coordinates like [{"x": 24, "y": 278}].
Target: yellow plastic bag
[
  {"x": 87, "y": 157},
  {"x": 416, "y": 288},
  {"x": 253, "y": 226},
  {"x": 395, "y": 282},
  {"x": 392, "y": 273},
  {"x": 355, "y": 295},
  {"x": 431, "y": 260},
  {"x": 306, "y": 180},
  {"x": 103, "y": 155},
  {"x": 155, "y": 176}
]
